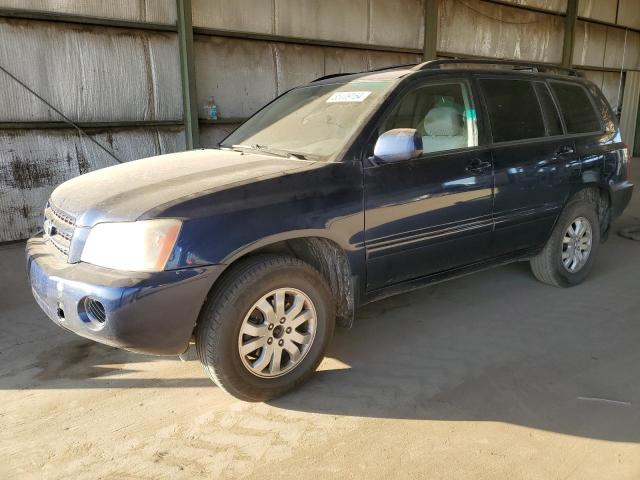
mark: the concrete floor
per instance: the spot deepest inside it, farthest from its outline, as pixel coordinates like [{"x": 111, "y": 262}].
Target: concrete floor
[{"x": 490, "y": 376}]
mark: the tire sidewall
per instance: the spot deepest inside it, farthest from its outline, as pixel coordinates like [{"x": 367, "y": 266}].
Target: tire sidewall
[{"x": 228, "y": 363}]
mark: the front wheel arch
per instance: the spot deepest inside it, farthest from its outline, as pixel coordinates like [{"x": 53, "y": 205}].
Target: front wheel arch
[{"x": 325, "y": 255}]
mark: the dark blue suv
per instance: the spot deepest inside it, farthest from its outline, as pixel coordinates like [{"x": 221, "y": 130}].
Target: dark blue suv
[{"x": 337, "y": 193}]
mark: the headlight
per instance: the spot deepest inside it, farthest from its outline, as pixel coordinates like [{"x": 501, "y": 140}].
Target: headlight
[{"x": 143, "y": 246}]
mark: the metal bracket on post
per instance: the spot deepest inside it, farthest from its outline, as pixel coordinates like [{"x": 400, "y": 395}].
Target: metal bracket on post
[
  {"x": 187, "y": 73},
  {"x": 570, "y": 18},
  {"x": 430, "y": 30}
]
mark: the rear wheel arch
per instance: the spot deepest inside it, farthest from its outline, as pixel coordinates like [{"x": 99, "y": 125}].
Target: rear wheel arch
[
  {"x": 568, "y": 254},
  {"x": 598, "y": 195}
]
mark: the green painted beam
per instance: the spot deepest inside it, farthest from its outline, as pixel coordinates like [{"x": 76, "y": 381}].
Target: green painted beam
[
  {"x": 430, "y": 30},
  {"x": 188, "y": 74},
  {"x": 569, "y": 32}
]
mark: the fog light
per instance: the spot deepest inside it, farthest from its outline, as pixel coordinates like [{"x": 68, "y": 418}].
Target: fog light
[{"x": 92, "y": 312}]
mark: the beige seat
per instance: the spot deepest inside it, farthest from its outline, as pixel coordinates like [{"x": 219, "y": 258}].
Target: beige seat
[{"x": 443, "y": 130}]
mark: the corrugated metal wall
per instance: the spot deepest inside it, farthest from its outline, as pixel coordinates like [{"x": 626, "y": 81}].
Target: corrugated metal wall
[{"x": 246, "y": 52}]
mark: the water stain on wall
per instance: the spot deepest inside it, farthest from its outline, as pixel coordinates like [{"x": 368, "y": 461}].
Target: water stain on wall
[
  {"x": 23, "y": 174},
  {"x": 83, "y": 164}
]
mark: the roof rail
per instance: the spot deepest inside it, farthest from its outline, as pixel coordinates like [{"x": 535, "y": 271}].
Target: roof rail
[
  {"x": 380, "y": 69},
  {"x": 516, "y": 64}
]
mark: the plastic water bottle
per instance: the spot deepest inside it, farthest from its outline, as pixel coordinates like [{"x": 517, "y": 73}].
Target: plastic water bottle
[{"x": 210, "y": 110}]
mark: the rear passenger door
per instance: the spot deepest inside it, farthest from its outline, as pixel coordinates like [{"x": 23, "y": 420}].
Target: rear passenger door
[
  {"x": 535, "y": 163},
  {"x": 596, "y": 148}
]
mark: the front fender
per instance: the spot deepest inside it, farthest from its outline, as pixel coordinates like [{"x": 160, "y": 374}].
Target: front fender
[{"x": 220, "y": 227}]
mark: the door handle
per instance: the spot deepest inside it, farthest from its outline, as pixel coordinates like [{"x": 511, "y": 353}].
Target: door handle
[{"x": 478, "y": 166}]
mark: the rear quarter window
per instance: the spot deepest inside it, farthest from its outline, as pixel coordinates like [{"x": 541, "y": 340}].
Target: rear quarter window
[
  {"x": 577, "y": 108},
  {"x": 513, "y": 108}
]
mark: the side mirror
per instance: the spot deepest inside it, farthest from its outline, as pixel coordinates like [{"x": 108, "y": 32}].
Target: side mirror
[{"x": 397, "y": 145}]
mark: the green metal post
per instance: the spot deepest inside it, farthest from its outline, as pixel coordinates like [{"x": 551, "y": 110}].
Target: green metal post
[
  {"x": 430, "y": 30},
  {"x": 569, "y": 32},
  {"x": 187, "y": 71}
]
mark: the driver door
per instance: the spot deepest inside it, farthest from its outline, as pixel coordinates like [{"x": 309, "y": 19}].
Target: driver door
[{"x": 432, "y": 213}]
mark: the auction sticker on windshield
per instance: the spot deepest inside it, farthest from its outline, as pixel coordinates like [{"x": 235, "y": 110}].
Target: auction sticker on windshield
[{"x": 339, "y": 97}]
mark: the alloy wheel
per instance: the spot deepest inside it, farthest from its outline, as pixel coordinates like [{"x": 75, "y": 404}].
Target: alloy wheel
[
  {"x": 576, "y": 244},
  {"x": 277, "y": 332}
]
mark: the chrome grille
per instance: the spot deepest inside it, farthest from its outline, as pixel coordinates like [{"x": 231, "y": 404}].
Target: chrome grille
[{"x": 58, "y": 227}]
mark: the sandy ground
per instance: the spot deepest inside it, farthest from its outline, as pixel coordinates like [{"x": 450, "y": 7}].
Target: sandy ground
[{"x": 491, "y": 376}]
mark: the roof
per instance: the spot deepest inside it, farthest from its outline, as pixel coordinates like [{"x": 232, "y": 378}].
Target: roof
[
  {"x": 399, "y": 71},
  {"x": 392, "y": 73}
]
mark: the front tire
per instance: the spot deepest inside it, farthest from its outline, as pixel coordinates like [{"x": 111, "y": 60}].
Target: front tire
[
  {"x": 568, "y": 256},
  {"x": 266, "y": 327}
]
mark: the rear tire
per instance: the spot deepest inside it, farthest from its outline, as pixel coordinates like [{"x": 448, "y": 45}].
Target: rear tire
[
  {"x": 556, "y": 264},
  {"x": 267, "y": 298}
]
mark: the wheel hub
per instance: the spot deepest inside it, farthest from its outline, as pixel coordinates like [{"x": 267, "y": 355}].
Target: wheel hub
[
  {"x": 576, "y": 244},
  {"x": 277, "y": 332}
]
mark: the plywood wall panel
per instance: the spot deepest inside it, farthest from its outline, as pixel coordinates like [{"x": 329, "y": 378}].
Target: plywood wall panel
[
  {"x": 243, "y": 75},
  {"x": 256, "y": 16},
  {"x": 151, "y": 11},
  {"x": 629, "y": 13},
  {"x": 603, "y": 10},
  {"x": 479, "y": 28},
  {"x": 590, "y": 42},
  {"x": 91, "y": 74},
  {"x": 212, "y": 135},
  {"x": 240, "y": 74},
  {"x": 338, "y": 20},
  {"x": 34, "y": 162},
  {"x": 398, "y": 23},
  {"x": 551, "y": 5},
  {"x": 622, "y": 45}
]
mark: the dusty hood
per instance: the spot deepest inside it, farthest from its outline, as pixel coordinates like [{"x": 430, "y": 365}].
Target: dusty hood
[{"x": 124, "y": 192}]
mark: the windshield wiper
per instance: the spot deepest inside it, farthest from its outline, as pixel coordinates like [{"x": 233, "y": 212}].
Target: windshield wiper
[
  {"x": 260, "y": 148},
  {"x": 273, "y": 151}
]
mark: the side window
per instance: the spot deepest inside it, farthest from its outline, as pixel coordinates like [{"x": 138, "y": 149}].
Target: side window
[
  {"x": 577, "y": 109},
  {"x": 513, "y": 109},
  {"x": 442, "y": 113},
  {"x": 549, "y": 110}
]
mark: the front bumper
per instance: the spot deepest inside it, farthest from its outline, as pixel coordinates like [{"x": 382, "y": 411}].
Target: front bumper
[{"x": 145, "y": 312}]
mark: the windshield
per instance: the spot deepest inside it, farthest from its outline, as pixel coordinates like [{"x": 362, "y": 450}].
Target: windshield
[{"x": 312, "y": 122}]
